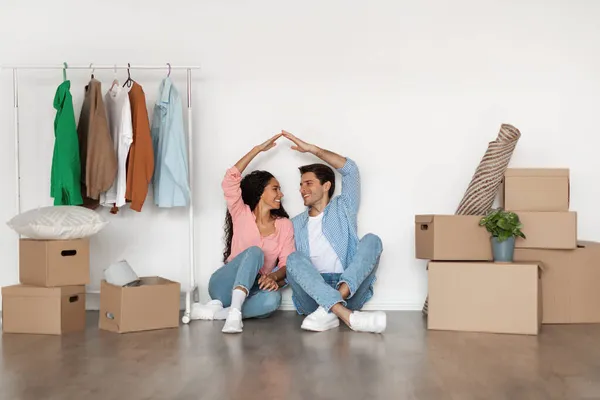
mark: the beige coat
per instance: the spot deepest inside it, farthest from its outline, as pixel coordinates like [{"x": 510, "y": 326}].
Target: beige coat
[{"x": 96, "y": 149}]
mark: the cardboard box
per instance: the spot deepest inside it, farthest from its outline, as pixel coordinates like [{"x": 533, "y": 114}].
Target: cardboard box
[
  {"x": 52, "y": 263},
  {"x": 485, "y": 297},
  {"x": 451, "y": 237},
  {"x": 571, "y": 282},
  {"x": 536, "y": 189},
  {"x": 32, "y": 309},
  {"x": 548, "y": 230},
  {"x": 153, "y": 305}
]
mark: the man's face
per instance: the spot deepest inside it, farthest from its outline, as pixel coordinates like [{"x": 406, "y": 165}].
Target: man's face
[{"x": 311, "y": 189}]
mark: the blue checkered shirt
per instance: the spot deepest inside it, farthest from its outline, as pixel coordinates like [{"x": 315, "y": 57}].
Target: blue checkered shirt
[{"x": 340, "y": 225}]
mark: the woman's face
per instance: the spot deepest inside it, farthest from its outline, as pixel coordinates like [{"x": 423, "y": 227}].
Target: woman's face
[{"x": 272, "y": 195}]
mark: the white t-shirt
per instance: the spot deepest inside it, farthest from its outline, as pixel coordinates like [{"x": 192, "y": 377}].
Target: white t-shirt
[
  {"x": 322, "y": 254},
  {"x": 118, "y": 111}
]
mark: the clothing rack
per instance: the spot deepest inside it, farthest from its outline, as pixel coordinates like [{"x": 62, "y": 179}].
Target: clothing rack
[{"x": 192, "y": 290}]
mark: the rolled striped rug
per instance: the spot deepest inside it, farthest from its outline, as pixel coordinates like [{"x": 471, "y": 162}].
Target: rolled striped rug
[{"x": 482, "y": 190}]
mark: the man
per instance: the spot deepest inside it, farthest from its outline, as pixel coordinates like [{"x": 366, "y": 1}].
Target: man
[{"x": 332, "y": 272}]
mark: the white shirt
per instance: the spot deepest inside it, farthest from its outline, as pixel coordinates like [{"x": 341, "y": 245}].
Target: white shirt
[
  {"x": 322, "y": 255},
  {"x": 118, "y": 111}
]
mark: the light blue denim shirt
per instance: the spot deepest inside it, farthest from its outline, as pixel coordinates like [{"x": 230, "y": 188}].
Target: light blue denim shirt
[
  {"x": 170, "y": 180},
  {"x": 340, "y": 218}
]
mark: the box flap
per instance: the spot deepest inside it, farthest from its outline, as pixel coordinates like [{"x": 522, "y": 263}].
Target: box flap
[
  {"x": 539, "y": 264},
  {"x": 498, "y": 264},
  {"x": 587, "y": 243},
  {"x": 423, "y": 219},
  {"x": 145, "y": 281},
  {"x": 538, "y": 172},
  {"x": 156, "y": 280},
  {"x": 36, "y": 291}
]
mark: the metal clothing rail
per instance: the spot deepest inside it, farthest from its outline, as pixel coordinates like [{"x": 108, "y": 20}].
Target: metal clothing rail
[
  {"x": 193, "y": 287},
  {"x": 100, "y": 66}
]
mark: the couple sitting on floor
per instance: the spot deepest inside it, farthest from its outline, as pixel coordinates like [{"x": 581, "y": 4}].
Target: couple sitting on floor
[{"x": 318, "y": 253}]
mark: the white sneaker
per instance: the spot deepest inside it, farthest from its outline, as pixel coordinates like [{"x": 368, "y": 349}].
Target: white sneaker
[
  {"x": 362, "y": 321},
  {"x": 205, "y": 311},
  {"x": 233, "y": 323},
  {"x": 320, "y": 321}
]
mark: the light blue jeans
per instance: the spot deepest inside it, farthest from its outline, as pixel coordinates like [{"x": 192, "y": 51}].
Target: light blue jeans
[
  {"x": 312, "y": 289},
  {"x": 243, "y": 271}
]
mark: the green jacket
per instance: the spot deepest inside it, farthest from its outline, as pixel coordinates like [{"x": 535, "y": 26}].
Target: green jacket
[{"x": 65, "y": 181}]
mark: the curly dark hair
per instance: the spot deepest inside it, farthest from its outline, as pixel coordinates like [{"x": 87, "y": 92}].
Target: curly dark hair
[{"x": 252, "y": 186}]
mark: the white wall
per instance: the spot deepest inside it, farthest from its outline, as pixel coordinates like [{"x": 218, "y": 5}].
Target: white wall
[{"x": 413, "y": 91}]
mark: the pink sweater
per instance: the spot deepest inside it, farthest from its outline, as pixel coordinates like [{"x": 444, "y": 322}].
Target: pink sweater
[{"x": 245, "y": 232}]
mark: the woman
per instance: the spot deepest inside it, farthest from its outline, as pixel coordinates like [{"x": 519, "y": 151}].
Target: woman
[{"x": 259, "y": 235}]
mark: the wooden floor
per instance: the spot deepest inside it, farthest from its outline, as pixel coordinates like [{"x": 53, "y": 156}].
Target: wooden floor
[{"x": 275, "y": 359}]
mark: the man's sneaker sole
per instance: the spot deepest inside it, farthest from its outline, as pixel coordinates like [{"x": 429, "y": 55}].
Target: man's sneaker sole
[{"x": 310, "y": 327}]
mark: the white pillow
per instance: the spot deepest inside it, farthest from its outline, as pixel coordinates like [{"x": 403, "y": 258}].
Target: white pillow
[{"x": 58, "y": 222}]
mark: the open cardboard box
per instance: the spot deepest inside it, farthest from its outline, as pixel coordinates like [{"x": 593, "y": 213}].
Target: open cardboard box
[{"x": 152, "y": 305}]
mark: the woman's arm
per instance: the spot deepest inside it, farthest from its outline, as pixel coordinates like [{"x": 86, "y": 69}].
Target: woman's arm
[
  {"x": 244, "y": 161},
  {"x": 233, "y": 177}
]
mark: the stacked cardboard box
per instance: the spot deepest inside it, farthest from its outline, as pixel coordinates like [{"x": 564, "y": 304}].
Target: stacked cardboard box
[
  {"x": 553, "y": 279},
  {"x": 571, "y": 278},
  {"x": 485, "y": 297},
  {"x": 50, "y": 298},
  {"x": 541, "y": 199},
  {"x": 467, "y": 290}
]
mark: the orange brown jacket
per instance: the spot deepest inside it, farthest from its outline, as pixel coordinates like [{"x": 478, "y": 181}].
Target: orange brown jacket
[{"x": 140, "y": 165}]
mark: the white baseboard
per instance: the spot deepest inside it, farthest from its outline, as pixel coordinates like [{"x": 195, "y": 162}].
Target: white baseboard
[{"x": 93, "y": 303}]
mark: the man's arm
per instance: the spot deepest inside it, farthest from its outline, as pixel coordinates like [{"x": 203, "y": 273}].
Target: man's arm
[{"x": 331, "y": 158}]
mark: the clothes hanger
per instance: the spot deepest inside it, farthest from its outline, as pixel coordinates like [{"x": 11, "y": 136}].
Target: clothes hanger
[
  {"x": 169, "y": 74},
  {"x": 129, "y": 81},
  {"x": 65, "y": 71},
  {"x": 93, "y": 69},
  {"x": 115, "y": 80}
]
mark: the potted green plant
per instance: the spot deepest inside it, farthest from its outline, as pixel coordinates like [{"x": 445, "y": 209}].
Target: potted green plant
[{"x": 504, "y": 227}]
